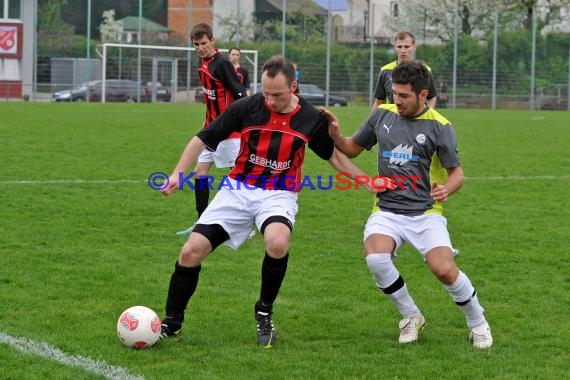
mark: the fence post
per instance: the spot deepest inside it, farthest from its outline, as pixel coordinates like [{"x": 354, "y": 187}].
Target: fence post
[{"x": 533, "y": 60}]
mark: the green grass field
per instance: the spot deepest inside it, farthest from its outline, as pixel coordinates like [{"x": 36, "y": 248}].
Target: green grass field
[{"x": 83, "y": 237}]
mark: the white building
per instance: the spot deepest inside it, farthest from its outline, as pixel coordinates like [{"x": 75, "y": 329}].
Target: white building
[
  {"x": 350, "y": 25},
  {"x": 17, "y": 48}
]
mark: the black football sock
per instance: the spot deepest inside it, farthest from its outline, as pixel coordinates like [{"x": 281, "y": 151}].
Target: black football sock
[
  {"x": 202, "y": 193},
  {"x": 183, "y": 283},
  {"x": 272, "y": 275}
]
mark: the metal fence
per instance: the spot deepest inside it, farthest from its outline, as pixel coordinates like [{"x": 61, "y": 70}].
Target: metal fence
[
  {"x": 473, "y": 89},
  {"x": 530, "y": 87}
]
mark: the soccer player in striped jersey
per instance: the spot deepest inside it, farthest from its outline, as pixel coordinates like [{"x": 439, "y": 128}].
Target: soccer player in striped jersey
[
  {"x": 234, "y": 55},
  {"x": 417, "y": 151},
  {"x": 221, "y": 86},
  {"x": 405, "y": 47},
  {"x": 262, "y": 189}
]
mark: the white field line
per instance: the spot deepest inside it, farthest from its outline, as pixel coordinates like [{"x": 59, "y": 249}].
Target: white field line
[
  {"x": 134, "y": 181},
  {"x": 43, "y": 349},
  {"x": 517, "y": 178},
  {"x": 70, "y": 181}
]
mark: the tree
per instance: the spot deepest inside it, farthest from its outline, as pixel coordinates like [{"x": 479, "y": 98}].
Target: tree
[
  {"x": 475, "y": 17},
  {"x": 76, "y": 14},
  {"x": 548, "y": 12},
  {"x": 435, "y": 19},
  {"x": 55, "y": 36},
  {"x": 110, "y": 29},
  {"x": 301, "y": 26},
  {"x": 232, "y": 25},
  {"x": 51, "y": 15}
]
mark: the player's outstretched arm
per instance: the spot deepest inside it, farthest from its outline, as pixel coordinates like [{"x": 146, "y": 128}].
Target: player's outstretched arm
[
  {"x": 344, "y": 165},
  {"x": 345, "y": 144},
  {"x": 188, "y": 157}
]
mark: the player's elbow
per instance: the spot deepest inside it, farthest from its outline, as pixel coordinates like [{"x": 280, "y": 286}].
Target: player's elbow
[
  {"x": 350, "y": 153},
  {"x": 348, "y": 147}
]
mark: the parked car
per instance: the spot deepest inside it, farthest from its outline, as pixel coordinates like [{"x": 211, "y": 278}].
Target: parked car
[
  {"x": 316, "y": 96},
  {"x": 116, "y": 90},
  {"x": 162, "y": 93}
]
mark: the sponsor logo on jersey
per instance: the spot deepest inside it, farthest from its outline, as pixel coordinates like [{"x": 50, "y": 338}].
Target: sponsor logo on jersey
[
  {"x": 421, "y": 138},
  {"x": 400, "y": 155},
  {"x": 210, "y": 93},
  {"x": 387, "y": 128},
  {"x": 268, "y": 163}
]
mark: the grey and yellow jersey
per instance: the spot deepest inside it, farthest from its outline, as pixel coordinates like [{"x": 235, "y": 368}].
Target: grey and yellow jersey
[
  {"x": 414, "y": 152},
  {"x": 383, "y": 89}
]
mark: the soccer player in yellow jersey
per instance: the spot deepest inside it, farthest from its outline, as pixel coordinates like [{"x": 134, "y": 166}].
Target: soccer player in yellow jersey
[
  {"x": 417, "y": 153},
  {"x": 405, "y": 47}
]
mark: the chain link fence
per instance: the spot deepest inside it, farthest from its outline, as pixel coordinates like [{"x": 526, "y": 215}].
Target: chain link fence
[{"x": 535, "y": 83}]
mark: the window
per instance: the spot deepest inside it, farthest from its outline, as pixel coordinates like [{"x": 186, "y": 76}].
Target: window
[
  {"x": 14, "y": 9},
  {"x": 10, "y": 9},
  {"x": 394, "y": 9}
]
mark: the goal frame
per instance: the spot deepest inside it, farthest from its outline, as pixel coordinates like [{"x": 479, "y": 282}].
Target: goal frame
[{"x": 190, "y": 51}]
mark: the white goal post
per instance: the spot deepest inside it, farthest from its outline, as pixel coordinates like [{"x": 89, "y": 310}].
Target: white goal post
[{"x": 173, "y": 66}]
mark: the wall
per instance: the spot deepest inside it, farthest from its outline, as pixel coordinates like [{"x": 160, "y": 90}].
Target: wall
[{"x": 178, "y": 15}]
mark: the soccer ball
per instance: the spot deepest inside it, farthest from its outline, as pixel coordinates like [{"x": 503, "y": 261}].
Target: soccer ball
[{"x": 138, "y": 327}]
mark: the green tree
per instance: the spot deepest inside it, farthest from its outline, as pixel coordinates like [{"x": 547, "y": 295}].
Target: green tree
[
  {"x": 54, "y": 36},
  {"x": 51, "y": 15}
]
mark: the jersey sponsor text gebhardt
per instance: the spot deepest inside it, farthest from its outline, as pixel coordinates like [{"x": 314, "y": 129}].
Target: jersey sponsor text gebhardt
[
  {"x": 210, "y": 93},
  {"x": 277, "y": 166}
]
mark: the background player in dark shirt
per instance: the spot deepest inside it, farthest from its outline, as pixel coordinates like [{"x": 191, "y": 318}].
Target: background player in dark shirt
[
  {"x": 275, "y": 127},
  {"x": 221, "y": 86},
  {"x": 234, "y": 55}
]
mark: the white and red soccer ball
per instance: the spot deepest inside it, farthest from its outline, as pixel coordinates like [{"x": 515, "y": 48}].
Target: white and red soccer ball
[{"x": 138, "y": 327}]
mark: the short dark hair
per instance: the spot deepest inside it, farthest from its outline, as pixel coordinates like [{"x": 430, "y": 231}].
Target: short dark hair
[
  {"x": 200, "y": 30},
  {"x": 414, "y": 73},
  {"x": 405, "y": 34},
  {"x": 279, "y": 64},
  {"x": 234, "y": 48}
]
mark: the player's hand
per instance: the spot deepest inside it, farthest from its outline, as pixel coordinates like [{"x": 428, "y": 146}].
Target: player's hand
[
  {"x": 439, "y": 192},
  {"x": 171, "y": 187},
  {"x": 380, "y": 184},
  {"x": 334, "y": 126}
]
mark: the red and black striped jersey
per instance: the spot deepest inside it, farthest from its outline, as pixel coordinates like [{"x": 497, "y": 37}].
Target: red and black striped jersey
[
  {"x": 243, "y": 76},
  {"x": 220, "y": 84},
  {"x": 272, "y": 146}
]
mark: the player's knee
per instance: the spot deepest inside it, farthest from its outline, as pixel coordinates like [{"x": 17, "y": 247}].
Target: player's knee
[
  {"x": 276, "y": 232},
  {"x": 192, "y": 255},
  {"x": 277, "y": 246},
  {"x": 446, "y": 272}
]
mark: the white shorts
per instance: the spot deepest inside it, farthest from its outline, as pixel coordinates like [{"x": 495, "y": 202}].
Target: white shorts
[
  {"x": 423, "y": 232},
  {"x": 237, "y": 210},
  {"x": 225, "y": 154}
]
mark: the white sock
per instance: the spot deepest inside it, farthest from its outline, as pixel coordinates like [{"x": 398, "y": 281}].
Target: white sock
[
  {"x": 389, "y": 281},
  {"x": 404, "y": 303},
  {"x": 465, "y": 297}
]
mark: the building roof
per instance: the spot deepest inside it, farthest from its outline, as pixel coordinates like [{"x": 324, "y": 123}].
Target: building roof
[
  {"x": 132, "y": 23},
  {"x": 308, "y": 6}
]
